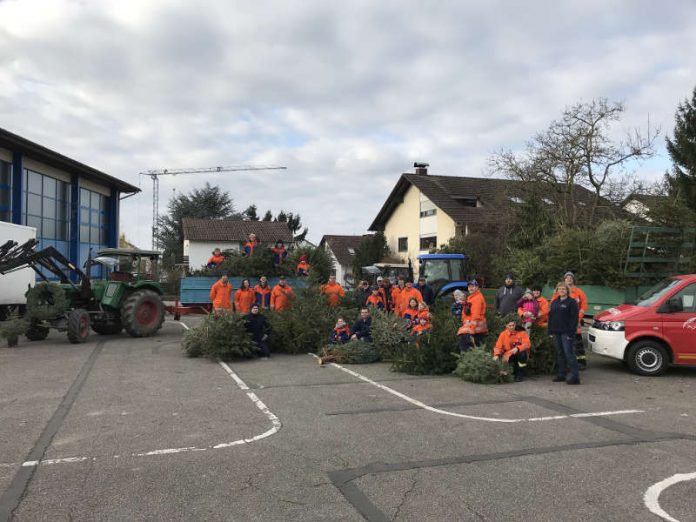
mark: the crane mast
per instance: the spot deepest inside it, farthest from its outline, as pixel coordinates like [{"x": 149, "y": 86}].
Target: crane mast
[{"x": 154, "y": 175}]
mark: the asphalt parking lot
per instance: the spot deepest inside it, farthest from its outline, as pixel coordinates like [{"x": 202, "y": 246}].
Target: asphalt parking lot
[{"x": 130, "y": 429}]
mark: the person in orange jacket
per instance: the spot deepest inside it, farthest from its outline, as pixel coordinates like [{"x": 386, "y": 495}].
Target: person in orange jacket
[
  {"x": 333, "y": 291},
  {"x": 244, "y": 298},
  {"x": 513, "y": 345},
  {"x": 280, "y": 253},
  {"x": 422, "y": 330},
  {"x": 250, "y": 245},
  {"x": 216, "y": 259},
  {"x": 410, "y": 314},
  {"x": 375, "y": 300},
  {"x": 542, "y": 319},
  {"x": 395, "y": 294},
  {"x": 423, "y": 310},
  {"x": 581, "y": 299},
  {"x": 221, "y": 295},
  {"x": 281, "y": 296},
  {"x": 474, "y": 327},
  {"x": 384, "y": 289},
  {"x": 303, "y": 266},
  {"x": 408, "y": 293},
  {"x": 263, "y": 293}
]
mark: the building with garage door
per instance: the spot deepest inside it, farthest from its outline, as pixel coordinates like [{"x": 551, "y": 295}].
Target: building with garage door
[{"x": 72, "y": 206}]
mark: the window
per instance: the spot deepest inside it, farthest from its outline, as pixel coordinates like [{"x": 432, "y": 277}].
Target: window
[
  {"x": 5, "y": 191},
  {"x": 351, "y": 251},
  {"x": 469, "y": 202},
  {"x": 688, "y": 298},
  {"x": 426, "y": 243},
  {"x": 403, "y": 244},
  {"x": 94, "y": 218},
  {"x": 46, "y": 206},
  {"x": 426, "y": 213}
]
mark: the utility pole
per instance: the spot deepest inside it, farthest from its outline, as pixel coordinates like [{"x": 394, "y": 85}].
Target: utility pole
[{"x": 154, "y": 175}]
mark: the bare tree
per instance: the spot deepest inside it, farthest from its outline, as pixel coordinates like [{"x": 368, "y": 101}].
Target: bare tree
[{"x": 578, "y": 151}]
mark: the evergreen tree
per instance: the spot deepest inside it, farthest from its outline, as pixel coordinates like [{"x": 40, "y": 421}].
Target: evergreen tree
[
  {"x": 250, "y": 213},
  {"x": 268, "y": 216},
  {"x": 372, "y": 249},
  {"x": 206, "y": 203},
  {"x": 682, "y": 150}
]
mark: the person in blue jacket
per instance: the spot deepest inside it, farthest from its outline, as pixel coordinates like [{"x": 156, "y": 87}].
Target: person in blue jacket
[
  {"x": 563, "y": 323},
  {"x": 362, "y": 329}
]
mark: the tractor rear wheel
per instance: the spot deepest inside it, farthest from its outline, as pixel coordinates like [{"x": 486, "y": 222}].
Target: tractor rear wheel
[
  {"x": 142, "y": 313},
  {"x": 78, "y": 326}
]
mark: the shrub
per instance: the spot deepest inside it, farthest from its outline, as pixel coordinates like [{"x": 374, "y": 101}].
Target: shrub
[
  {"x": 389, "y": 334},
  {"x": 46, "y": 301},
  {"x": 221, "y": 337},
  {"x": 306, "y": 326},
  {"x": 478, "y": 366},
  {"x": 435, "y": 354},
  {"x": 354, "y": 352},
  {"x": 13, "y": 327}
]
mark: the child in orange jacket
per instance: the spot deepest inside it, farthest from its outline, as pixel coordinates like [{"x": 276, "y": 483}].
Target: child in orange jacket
[
  {"x": 410, "y": 314},
  {"x": 303, "y": 267},
  {"x": 422, "y": 330},
  {"x": 513, "y": 345},
  {"x": 375, "y": 300}
]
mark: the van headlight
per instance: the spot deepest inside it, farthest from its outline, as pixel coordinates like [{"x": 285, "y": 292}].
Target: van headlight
[{"x": 610, "y": 326}]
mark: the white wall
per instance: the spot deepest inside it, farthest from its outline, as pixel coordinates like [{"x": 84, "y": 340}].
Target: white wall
[
  {"x": 199, "y": 252},
  {"x": 341, "y": 271}
]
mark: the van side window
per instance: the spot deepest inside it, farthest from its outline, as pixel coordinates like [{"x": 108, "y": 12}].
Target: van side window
[{"x": 688, "y": 297}]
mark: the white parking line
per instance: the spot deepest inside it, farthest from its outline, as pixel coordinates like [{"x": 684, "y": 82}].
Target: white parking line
[
  {"x": 275, "y": 428},
  {"x": 652, "y": 495},
  {"x": 424, "y": 406}
]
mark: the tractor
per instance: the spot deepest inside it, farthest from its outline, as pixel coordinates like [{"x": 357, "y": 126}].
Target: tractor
[
  {"x": 128, "y": 297},
  {"x": 445, "y": 273}
]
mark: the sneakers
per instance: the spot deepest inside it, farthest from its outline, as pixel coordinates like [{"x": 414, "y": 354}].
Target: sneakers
[
  {"x": 573, "y": 380},
  {"x": 558, "y": 379}
]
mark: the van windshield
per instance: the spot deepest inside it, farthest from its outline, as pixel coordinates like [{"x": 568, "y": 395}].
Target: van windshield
[{"x": 653, "y": 295}]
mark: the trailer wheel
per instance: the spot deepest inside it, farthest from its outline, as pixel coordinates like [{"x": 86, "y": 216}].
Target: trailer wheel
[
  {"x": 142, "y": 313},
  {"x": 36, "y": 332},
  {"x": 648, "y": 358},
  {"x": 78, "y": 326}
]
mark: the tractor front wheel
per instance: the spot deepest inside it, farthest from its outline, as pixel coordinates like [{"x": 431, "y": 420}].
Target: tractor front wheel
[
  {"x": 78, "y": 326},
  {"x": 142, "y": 313}
]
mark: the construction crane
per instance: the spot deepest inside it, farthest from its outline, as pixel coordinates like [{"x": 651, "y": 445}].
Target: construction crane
[{"x": 155, "y": 175}]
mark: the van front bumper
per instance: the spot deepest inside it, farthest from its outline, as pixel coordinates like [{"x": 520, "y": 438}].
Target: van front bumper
[{"x": 609, "y": 344}]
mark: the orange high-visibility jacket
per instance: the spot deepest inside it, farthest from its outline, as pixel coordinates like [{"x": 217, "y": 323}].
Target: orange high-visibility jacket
[
  {"x": 395, "y": 306},
  {"x": 406, "y": 295},
  {"x": 216, "y": 260},
  {"x": 221, "y": 295},
  {"x": 475, "y": 321},
  {"x": 375, "y": 301},
  {"x": 243, "y": 299},
  {"x": 303, "y": 268},
  {"x": 411, "y": 314},
  {"x": 263, "y": 295},
  {"x": 334, "y": 293},
  {"x": 421, "y": 329},
  {"x": 382, "y": 291},
  {"x": 507, "y": 341},
  {"x": 280, "y": 297}
]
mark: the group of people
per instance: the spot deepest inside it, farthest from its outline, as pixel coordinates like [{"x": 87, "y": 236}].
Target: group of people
[
  {"x": 562, "y": 317},
  {"x": 280, "y": 255},
  {"x": 225, "y": 299}
]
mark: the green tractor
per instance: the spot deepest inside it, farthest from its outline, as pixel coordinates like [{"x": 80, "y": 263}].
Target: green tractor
[{"x": 128, "y": 297}]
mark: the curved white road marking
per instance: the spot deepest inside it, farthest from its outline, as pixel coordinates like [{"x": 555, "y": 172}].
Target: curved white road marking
[
  {"x": 652, "y": 495},
  {"x": 275, "y": 428},
  {"x": 424, "y": 406}
]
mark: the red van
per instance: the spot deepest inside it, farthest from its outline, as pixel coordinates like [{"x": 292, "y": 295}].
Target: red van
[{"x": 659, "y": 330}]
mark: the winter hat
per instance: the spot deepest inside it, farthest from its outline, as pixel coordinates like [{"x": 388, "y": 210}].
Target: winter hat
[
  {"x": 527, "y": 291},
  {"x": 473, "y": 282},
  {"x": 509, "y": 276},
  {"x": 571, "y": 274},
  {"x": 303, "y": 257}
]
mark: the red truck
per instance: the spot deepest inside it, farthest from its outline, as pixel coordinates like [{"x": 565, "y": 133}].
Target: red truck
[{"x": 658, "y": 331}]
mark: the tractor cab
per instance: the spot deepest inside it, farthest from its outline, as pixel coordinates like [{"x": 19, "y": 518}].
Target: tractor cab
[
  {"x": 391, "y": 270},
  {"x": 444, "y": 273},
  {"x": 129, "y": 265}
]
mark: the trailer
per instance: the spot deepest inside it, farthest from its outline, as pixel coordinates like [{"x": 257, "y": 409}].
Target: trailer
[{"x": 15, "y": 285}]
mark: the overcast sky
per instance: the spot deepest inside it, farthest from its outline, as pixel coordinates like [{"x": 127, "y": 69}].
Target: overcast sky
[{"x": 346, "y": 95}]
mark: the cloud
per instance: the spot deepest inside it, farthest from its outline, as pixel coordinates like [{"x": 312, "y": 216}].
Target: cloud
[{"x": 346, "y": 95}]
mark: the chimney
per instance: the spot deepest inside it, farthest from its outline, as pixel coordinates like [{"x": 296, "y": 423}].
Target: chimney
[{"x": 421, "y": 168}]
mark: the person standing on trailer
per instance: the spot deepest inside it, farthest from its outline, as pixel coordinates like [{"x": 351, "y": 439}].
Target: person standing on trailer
[
  {"x": 280, "y": 253},
  {"x": 250, "y": 245}
]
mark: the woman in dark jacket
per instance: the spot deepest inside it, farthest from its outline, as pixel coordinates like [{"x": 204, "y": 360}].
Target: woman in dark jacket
[{"x": 563, "y": 322}]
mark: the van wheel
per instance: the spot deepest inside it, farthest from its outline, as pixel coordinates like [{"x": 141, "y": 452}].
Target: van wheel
[{"x": 648, "y": 358}]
